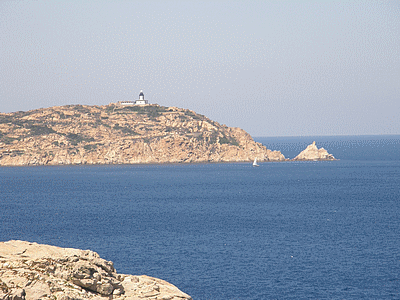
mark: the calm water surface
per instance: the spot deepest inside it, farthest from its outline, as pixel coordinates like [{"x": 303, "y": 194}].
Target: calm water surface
[{"x": 326, "y": 230}]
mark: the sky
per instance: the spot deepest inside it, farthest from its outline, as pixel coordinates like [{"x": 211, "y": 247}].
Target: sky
[{"x": 272, "y": 68}]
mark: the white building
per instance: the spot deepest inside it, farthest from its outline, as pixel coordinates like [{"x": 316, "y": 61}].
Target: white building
[
  {"x": 126, "y": 102},
  {"x": 141, "y": 100}
]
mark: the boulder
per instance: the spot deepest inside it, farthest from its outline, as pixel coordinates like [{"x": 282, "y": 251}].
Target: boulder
[{"x": 30, "y": 271}]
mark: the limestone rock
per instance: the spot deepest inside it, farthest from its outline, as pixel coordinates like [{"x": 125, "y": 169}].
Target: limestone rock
[
  {"x": 313, "y": 153},
  {"x": 30, "y": 271},
  {"x": 81, "y": 134}
]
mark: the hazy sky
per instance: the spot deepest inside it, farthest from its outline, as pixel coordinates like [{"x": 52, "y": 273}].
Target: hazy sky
[{"x": 273, "y": 68}]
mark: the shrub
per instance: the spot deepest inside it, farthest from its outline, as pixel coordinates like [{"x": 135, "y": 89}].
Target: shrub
[
  {"x": 125, "y": 130},
  {"x": 151, "y": 111},
  {"x": 39, "y": 129},
  {"x": 16, "y": 153},
  {"x": 228, "y": 140},
  {"x": 213, "y": 138},
  {"x": 21, "y": 123},
  {"x": 199, "y": 137},
  {"x": 129, "y": 131},
  {"x": 224, "y": 140},
  {"x": 20, "y": 114},
  {"x": 8, "y": 140},
  {"x": 193, "y": 115},
  {"x": 82, "y": 109},
  {"x": 110, "y": 109},
  {"x": 90, "y": 147},
  {"x": 5, "y": 119},
  {"x": 75, "y": 139}
]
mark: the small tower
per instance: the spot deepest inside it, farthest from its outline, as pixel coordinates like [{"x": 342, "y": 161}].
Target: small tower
[{"x": 141, "y": 100}]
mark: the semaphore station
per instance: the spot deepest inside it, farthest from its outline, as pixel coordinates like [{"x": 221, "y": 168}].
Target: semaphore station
[{"x": 141, "y": 101}]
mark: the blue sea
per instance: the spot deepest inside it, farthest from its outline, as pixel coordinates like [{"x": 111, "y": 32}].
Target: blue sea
[{"x": 285, "y": 230}]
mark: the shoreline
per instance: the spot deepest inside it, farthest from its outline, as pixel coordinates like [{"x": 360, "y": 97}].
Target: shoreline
[{"x": 169, "y": 163}]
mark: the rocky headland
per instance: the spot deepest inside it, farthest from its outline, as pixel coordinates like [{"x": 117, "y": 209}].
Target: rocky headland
[
  {"x": 33, "y": 271},
  {"x": 115, "y": 134},
  {"x": 313, "y": 153}
]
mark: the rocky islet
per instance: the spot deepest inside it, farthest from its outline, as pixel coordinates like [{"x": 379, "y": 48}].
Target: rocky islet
[{"x": 312, "y": 153}]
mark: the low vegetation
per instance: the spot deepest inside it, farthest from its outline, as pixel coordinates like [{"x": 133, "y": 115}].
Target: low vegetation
[
  {"x": 125, "y": 129},
  {"x": 39, "y": 130},
  {"x": 75, "y": 138},
  {"x": 91, "y": 147},
  {"x": 74, "y": 132}
]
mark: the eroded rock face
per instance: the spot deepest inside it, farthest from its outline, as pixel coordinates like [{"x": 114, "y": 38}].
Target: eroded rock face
[
  {"x": 30, "y": 271},
  {"x": 313, "y": 153},
  {"x": 81, "y": 134}
]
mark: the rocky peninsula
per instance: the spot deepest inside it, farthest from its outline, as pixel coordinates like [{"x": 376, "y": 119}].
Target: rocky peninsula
[
  {"x": 33, "y": 271},
  {"x": 117, "y": 134}
]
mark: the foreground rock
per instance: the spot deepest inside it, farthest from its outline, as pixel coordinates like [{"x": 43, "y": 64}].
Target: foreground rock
[
  {"x": 112, "y": 134},
  {"x": 313, "y": 153},
  {"x": 32, "y": 271}
]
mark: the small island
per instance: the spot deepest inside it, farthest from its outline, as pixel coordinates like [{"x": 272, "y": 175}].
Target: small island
[
  {"x": 128, "y": 132},
  {"x": 122, "y": 133},
  {"x": 313, "y": 153},
  {"x": 30, "y": 271}
]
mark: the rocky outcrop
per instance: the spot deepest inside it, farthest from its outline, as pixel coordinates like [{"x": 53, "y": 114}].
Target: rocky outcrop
[
  {"x": 313, "y": 153},
  {"x": 111, "y": 134},
  {"x": 32, "y": 271}
]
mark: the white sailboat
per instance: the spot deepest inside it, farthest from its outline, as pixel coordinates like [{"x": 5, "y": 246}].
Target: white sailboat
[{"x": 255, "y": 163}]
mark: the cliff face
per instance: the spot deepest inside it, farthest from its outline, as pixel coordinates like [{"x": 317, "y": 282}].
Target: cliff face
[
  {"x": 30, "y": 271},
  {"x": 79, "y": 134},
  {"x": 313, "y": 153}
]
